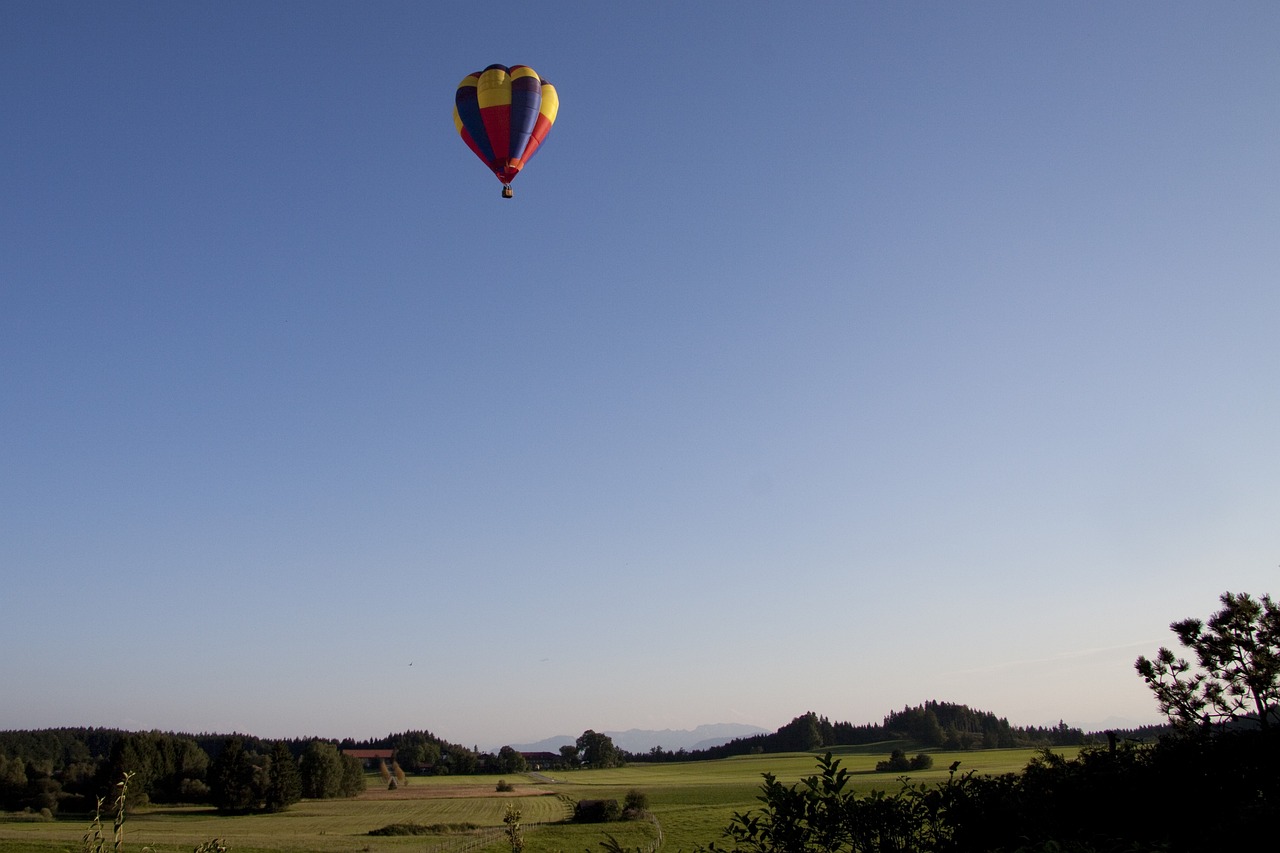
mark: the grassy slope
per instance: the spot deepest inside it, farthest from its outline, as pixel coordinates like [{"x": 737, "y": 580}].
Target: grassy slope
[{"x": 692, "y": 801}]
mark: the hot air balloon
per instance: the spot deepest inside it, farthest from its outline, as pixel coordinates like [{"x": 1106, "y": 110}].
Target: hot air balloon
[{"x": 504, "y": 114}]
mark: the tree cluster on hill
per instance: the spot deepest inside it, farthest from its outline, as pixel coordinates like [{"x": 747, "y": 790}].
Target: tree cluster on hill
[
  {"x": 941, "y": 725},
  {"x": 949, "y": 726}
]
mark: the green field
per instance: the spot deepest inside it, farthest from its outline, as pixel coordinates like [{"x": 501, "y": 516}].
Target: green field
[{"x": 692, "y": 803}]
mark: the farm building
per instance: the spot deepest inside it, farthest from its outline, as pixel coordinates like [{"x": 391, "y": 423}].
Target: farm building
[
  {"x": 371, "y": 757},
  {"x": 542, "y": 760}
]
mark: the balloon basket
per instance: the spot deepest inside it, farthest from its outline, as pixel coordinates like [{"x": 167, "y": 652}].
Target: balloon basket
[{"x": 507, "y": 192}]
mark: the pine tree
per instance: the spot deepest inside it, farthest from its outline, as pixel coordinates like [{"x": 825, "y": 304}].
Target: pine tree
[{"x": 285, "y": 785}]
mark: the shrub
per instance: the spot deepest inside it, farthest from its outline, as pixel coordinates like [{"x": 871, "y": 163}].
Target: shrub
[
  {"x": 899, "y": 763},
  {"x": 213, "y": 845},
  {"x": 194, "y": 791},
  {"x": 635, "y": 804},
  {"x": 505, "y": 786},
  {"x": 514, "y": 836},
  {"x": 895, "y": 763},
  {"x": 596, "y": 811}
]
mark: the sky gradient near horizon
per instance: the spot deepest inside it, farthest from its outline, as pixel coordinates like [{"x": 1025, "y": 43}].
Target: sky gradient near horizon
[{"x": 833, "y": 357}]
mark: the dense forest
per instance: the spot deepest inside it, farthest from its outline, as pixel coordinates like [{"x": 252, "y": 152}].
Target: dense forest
[{"x": 67, "y": 769}]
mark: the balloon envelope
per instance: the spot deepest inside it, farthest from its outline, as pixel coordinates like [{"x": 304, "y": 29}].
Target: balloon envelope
[{"x": 504, "y": 114}]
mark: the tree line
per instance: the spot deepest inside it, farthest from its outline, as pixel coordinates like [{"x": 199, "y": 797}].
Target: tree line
[
  {"x": 55, "y": 770},
  {"x": 68, "y": 768}
]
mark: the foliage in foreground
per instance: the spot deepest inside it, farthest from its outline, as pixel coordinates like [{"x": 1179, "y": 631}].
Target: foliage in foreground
[
  {"x": 94, "y": 841},
  {"x": 1103, "y": 801},
  {"x": 515, "y": 836}
]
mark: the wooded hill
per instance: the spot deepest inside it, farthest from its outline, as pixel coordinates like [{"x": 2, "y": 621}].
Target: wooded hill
[{"x": 940, "y": 725}]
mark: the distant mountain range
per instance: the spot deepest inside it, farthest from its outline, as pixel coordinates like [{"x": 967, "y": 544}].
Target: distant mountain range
[{"x": 643, "y": 740}]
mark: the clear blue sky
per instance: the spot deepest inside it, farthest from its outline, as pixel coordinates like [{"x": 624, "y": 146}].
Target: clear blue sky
[{"x": 832, "y": 357}]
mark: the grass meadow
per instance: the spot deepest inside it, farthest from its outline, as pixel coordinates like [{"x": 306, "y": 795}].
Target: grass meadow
[{"x": 692, "y": 803}]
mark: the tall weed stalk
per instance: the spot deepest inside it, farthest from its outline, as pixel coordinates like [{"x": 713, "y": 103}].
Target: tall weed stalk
[{"x": 95, "y": 842}]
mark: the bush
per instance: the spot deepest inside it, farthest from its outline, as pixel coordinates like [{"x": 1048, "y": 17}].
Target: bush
[
  {"x": 596, "y": 811},
  {"x": 505, "y": 786},
  {"x": 635, "y": 804},
  {"x": 899, "y": 763},
  {"x": 194, "y": 791}
]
